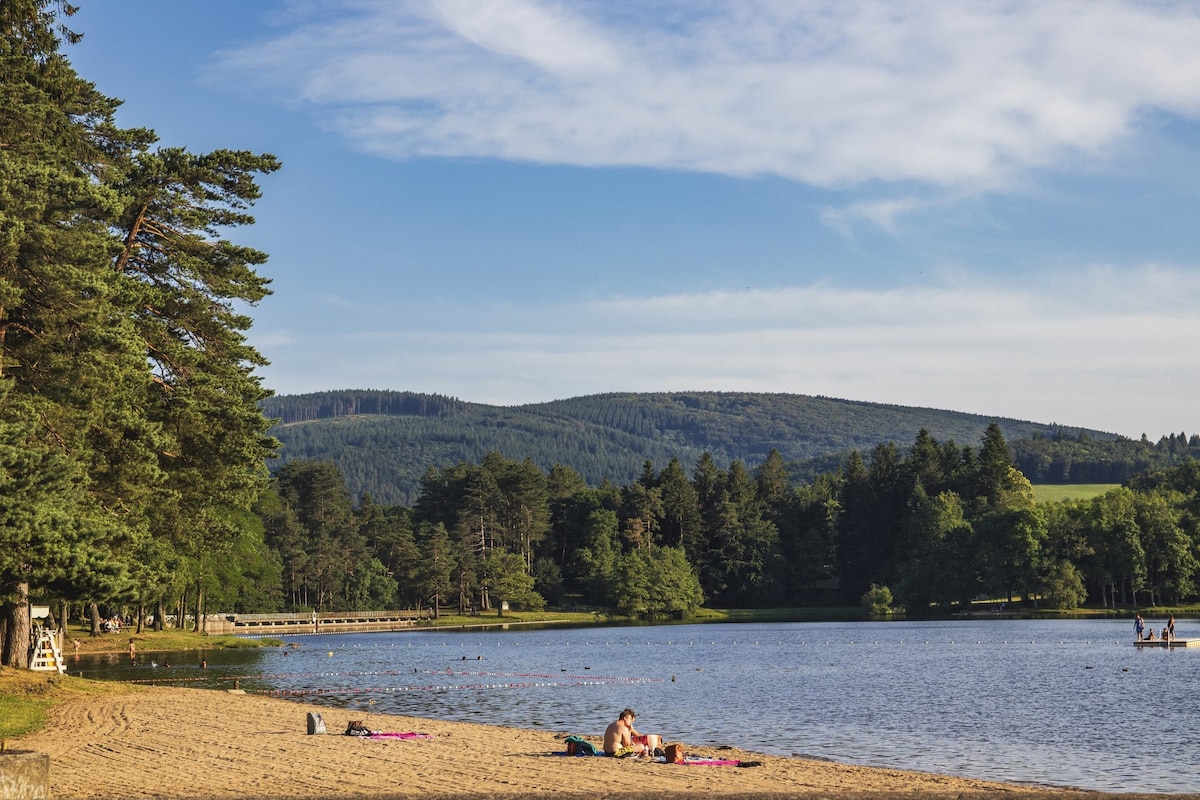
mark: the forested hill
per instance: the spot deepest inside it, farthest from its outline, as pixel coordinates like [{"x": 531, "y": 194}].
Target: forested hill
[{"x": 384, "y": 441}]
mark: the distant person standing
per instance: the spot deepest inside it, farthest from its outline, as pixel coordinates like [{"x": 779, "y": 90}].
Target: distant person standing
[
  {"x": 132, "y": 652},
  {"x": 1139, "y": 626},
  {"x": 1171, "y": 627}
]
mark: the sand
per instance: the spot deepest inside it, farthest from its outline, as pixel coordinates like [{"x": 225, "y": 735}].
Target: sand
[{"x": 185, "y": 743}]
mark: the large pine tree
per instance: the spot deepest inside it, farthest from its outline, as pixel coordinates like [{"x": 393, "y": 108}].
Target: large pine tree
[{"x": 125, "y": 379}]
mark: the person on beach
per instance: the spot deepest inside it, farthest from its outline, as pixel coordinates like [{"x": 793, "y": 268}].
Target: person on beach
[
  {"x": 1139, "y": 626},
  {"x": 621, "y": 740}
]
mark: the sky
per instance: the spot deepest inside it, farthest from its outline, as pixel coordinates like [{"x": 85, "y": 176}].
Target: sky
[{"x": 989, "y": 207}]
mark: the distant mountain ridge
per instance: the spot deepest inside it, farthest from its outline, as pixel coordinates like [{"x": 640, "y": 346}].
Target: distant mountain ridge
[{"x": 384, "y": 441}]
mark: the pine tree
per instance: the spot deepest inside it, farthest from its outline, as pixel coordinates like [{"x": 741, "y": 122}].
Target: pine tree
[{"x": 68, "y": 360}]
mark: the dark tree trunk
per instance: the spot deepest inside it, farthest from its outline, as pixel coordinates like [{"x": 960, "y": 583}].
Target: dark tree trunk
[
  {"x": 160, "y": 613},
  {"x": 94, "y": 614}
]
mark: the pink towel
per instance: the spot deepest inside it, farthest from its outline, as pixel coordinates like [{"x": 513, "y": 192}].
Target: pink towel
[{"x": 400, "y": 736}]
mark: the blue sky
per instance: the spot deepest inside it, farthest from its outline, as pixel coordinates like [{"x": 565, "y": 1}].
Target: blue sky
[{"x": 988, "y": 207}]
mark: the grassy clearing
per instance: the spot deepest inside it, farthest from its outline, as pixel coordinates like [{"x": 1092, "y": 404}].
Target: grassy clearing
[
  {"x": 158, "y": 642},
  {"x": 1056, "y": 492},
  {"x": 27, "y": 697}
]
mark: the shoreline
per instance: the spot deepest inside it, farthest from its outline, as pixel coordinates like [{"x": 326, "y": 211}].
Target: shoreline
[{"x": 182, "y": 743}]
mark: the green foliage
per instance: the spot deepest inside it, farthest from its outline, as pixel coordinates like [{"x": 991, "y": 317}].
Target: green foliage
[
  {"x": 1064, "y": 589},
  {"x": 438, "y": 564},
  {"x": 878, "y": 600},
  {"x": 936, "y": 523},
  {"x": 505, "y": 575},
  {"x": 656, "y": 582},
  {"x": 126, "y": 375}
]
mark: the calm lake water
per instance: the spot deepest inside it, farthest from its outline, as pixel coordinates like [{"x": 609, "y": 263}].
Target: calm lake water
[{"x": 1063, "y": 702}]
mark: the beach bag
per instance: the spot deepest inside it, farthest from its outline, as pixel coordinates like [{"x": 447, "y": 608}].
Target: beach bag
[
  {"x": 356, "y": 728},
  {"x": 675, "y": 754},
  {"x": 315, "y": 723},
  {"x": 578, "y": 746}
]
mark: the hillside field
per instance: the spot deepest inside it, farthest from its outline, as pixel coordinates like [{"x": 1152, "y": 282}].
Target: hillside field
[{"x": 1054, "y": 492}]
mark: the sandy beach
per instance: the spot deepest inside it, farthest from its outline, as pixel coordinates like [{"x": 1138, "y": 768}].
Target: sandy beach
[{"x": 184, "y": 743}]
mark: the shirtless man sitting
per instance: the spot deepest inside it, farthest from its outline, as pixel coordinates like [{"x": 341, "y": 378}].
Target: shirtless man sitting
[{"x": 620, "y": 739}]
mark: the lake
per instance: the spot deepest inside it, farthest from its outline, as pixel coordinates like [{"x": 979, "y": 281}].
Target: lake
[{"x": 1062, "y": 702}]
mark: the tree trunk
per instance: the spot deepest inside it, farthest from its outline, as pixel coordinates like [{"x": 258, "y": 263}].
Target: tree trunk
[
  {"x": 94, "y": 615},
  {"x": 141, "y": 617},
  {"x": 15, "y": 636},
  {"x": 199, "y": 624},
  {"x": 160, "y": 614},
  {"x": 64, "y": 619}
]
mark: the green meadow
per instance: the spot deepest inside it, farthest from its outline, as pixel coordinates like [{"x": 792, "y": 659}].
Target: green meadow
[{"x": 1054, "y": 492}]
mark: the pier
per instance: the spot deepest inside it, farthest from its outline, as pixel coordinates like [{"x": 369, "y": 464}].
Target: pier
[{"x": 1172, "y": 643}]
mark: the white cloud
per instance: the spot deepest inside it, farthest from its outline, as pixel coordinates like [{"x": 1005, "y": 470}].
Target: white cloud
[
  {"x": 1107, "y": 348},
  {"x": 830, "y": 93}
]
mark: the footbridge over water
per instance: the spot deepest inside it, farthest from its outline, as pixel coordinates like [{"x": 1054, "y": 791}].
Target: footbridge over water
[{"x": 318, "y": 622}]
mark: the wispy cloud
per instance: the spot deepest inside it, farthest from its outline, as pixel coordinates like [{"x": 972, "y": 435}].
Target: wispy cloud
[
  {"x": 1057, "y": 351},
  {"x": 829, "y": 93}
]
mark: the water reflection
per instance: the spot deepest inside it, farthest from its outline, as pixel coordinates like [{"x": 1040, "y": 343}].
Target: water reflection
[{"x": 1044, "y": 702}]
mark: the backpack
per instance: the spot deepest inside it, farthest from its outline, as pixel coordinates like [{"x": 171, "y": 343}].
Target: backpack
[
  {"x": 578, "y": 746},
  {"x": 675, "y": 754},
  {"x": 315, "y": 723},
  {"x": 356, "y": 728}
]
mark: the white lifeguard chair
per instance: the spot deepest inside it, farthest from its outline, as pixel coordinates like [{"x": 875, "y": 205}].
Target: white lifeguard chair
[{"x": 46, "y": 656}]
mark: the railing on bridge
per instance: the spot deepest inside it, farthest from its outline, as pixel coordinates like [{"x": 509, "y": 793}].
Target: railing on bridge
[{"x": 320, "y": 622}]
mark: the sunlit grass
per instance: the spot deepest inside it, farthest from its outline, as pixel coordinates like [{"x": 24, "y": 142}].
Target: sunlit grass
[
  {"x": 170, "y": 640},
  {"x": 1056, "y": 492}
]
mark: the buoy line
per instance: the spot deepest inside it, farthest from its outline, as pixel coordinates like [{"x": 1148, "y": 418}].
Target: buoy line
[
  {"x": 443, "y": 687},
  {"x": 390, "y": 672}
]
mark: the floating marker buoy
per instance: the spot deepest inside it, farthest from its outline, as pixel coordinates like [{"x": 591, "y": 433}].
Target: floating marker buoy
[{"x": 331, "y": 653}]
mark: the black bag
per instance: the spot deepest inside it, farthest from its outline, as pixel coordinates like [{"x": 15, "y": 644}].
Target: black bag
[{"x": 356, "y": 728}]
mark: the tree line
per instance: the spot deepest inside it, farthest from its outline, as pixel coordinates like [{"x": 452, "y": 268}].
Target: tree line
[{"x": 935, "y": 524}]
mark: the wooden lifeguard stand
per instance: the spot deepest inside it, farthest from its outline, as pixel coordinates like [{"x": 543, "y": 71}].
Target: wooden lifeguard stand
[{"x": 47, "y": 657}]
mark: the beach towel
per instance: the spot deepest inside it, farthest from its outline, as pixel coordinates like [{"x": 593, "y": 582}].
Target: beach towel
[{"x": 381, "y": 735}]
